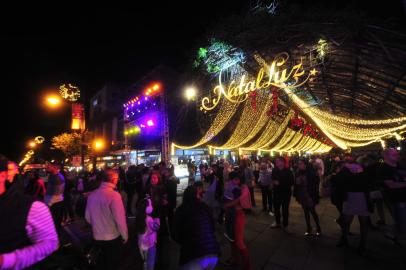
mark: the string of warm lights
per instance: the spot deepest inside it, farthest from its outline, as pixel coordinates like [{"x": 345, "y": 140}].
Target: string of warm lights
[
  {"x": 27, "y": 157},
  {"x": 356, "y": 121},
  {"x": 363, "y": 135},
  {"x": 315, "y": 146},
  {"x": 361, "y": 132},
  {"x": 250, "y": 123},
  {"x": 271, "y": 135},
  {"x": 344, "y": 131},
  {"x": 69, "y": 92},
  {"x": 287, "y": 136},
  {"x": 346, "y": 135},
  {"x": 308, "y": 144},
  {"x": 290, "y": 146},
  {"x": 302, "y": 143},
  {"x": 224, "y": 115}
]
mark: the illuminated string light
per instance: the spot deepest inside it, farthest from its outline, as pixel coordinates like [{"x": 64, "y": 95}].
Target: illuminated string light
[
  {"x": 250, "y": 123},
  {"x": 224, "y": 115},
  {"x": 355, "y": 121},
  {"x": 69, "y": 92},
  {"x": 344, "y": 135}
]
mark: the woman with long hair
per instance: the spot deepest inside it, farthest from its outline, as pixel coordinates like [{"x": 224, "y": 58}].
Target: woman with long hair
[
  {"x": 146, "y": 227},
  {"x": 239, "y": 250},
  {"x": 159, "y": 199},
  {"x": 195, "y": 233},
  {"x": 307, "y": 194},
  {"x": 357, "y": 202},
  {"x": 35, "y": 187}
]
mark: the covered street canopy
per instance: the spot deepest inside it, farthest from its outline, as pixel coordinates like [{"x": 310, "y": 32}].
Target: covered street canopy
[{"x": 302, "y": 80}]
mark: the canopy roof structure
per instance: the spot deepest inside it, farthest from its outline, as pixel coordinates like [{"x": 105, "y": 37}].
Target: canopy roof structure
[{"x": 352, "y": 91}]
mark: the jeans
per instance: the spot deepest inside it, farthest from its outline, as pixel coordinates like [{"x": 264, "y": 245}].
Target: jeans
[
  {"x": 282, "y": 200},
  {"x": 230, "y": 221},
  {"x": 251, "y": 189},
  {"x": 266, "y": 198},
  {"x": 149, "y": 258},
  {"x": 207, "y": 262}
]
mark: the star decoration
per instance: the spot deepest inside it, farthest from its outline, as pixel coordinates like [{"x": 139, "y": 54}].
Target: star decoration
[{"x": 313, "y": 72}]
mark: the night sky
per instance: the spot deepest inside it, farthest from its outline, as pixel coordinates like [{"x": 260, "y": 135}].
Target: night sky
[{"x": 45, "y": 46}]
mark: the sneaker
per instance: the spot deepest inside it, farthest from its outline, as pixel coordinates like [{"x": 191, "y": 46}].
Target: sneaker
[
  {"x": 228, "y": 237},
  {"x": 271, "y": 213},
  {"x": 306, "y": 233},
  {"x": 318, "y": 232},
  {"x": 275, "y": 225}
]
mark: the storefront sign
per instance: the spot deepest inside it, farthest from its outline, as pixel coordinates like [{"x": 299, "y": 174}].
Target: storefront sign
[{"x": 78, "y": 116}]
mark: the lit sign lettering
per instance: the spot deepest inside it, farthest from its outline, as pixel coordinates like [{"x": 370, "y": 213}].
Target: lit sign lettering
[{"x": 276, "y": 75}]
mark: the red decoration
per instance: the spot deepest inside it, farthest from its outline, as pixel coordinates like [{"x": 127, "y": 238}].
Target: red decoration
[
  {"x": 275, "y": 100},
  {"x": 310, "y": 131},
  {"x": 253, "y": 97},
  {"x": 296, "y": 123},
  {"x": 274, "y": 108}
]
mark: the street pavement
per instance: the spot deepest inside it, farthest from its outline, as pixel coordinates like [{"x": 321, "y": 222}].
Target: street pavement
[{"x": 269, "y": 248}]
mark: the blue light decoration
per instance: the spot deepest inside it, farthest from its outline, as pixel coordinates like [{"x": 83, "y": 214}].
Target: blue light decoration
[{"x": 219, "y": 56}]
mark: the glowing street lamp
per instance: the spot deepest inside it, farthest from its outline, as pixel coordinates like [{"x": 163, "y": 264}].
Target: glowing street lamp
[
  {"x": 190, "y": 93},
  {"x": 32, "y": 144},
  {"x": 98, "y": 145},
  {"x": 53, "y": 101}
]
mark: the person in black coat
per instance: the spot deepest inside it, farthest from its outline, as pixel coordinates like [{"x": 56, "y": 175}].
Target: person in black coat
[
  {"x": 194, "y": 231},
  {"x": 307, "y": 193},
  {"x": 282, "y": 182},
  {"x": 337, "y": 190}
]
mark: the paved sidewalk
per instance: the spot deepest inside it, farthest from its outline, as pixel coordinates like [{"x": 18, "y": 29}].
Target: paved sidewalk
[
  {"x": 269, "y": 248},
  {"x": 274, "y": 249}
]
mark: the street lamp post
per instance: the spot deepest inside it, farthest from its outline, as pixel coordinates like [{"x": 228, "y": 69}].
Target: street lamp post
[
  {"x": 71, "y": 94},
  {"x": 97, "y": 147}
]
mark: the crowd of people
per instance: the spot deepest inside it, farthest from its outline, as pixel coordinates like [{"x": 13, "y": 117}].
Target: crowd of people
[{"x": 219, "y": 195}]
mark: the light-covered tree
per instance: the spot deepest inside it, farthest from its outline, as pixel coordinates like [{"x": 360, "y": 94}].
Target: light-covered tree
[{"x": 70, "y": 143}]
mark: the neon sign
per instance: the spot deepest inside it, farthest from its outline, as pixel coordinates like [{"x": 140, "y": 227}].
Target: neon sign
[{"x": 276, "y": 75}]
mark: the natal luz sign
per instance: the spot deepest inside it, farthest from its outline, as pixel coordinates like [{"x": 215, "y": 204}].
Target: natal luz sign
[{"x": 276, "y": 74}]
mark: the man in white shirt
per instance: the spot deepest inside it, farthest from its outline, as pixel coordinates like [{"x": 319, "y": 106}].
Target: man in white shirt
[{"x": 105, "y": 213}]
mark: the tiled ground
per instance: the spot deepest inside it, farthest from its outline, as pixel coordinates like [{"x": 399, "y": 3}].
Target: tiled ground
[{"x": 272, "y": 248}]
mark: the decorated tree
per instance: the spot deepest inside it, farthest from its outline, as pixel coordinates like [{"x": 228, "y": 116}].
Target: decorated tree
[{"x": 70, "y": 143}]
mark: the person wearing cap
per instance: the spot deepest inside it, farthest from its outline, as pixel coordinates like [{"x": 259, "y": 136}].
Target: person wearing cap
[
  {"x": 27, "y": 232},
  {"x": 54, "y": 193}
]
